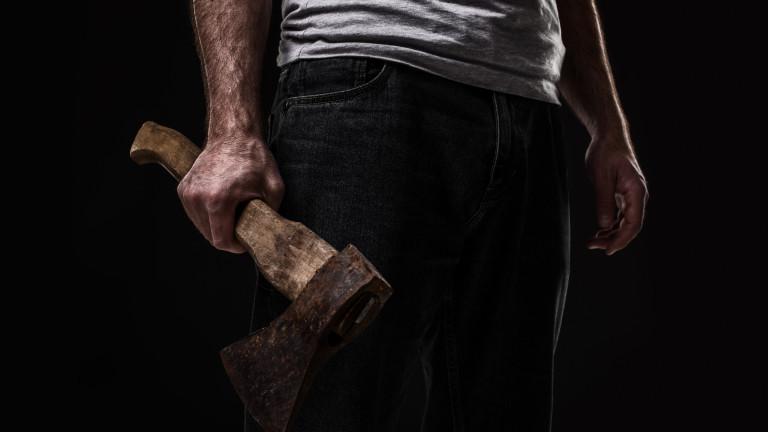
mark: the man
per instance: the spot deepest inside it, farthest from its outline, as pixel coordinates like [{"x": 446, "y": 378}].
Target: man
[{"x": 426, "y": 133}]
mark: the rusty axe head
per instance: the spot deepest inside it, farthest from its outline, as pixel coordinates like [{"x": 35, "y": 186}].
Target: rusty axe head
[
  {"x": 272, "y": 369},
  {"x": 335, "y": 295}
]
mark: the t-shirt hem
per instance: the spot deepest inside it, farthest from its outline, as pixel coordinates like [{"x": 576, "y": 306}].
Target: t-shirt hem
[{"x": 533, "y": 88}]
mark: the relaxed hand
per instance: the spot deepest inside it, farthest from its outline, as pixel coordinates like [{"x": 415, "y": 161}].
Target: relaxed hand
[{"x": 621, "y": 193}]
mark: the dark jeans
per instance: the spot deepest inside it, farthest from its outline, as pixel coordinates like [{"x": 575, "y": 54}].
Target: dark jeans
[{"x": 459, "y": 196}]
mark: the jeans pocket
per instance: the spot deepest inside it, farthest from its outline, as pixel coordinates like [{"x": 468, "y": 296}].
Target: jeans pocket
[{"x": 331, "y": 79}]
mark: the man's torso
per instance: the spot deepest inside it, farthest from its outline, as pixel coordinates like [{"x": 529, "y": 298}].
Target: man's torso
[{"x": 512, "y": 46}]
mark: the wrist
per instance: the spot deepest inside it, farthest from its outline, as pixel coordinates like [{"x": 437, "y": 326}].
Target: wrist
[
  {"x": 613, "y": 135},
  {"x": 233, "y": 117},
  {"x": 612, "y": 141},
  {"x": 610, "y": 127},
  {"x": 224, "y": 130},
  {"x": 234, "y": 140}
]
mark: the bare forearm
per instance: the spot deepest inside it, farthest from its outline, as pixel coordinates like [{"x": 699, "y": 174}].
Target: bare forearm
[
  {"x": 231, "y": 36},
  {"x": 586, "y": 81}
]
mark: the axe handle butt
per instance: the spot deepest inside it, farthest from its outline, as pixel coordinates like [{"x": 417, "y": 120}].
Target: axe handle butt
[{"x": 286, "y": 252}]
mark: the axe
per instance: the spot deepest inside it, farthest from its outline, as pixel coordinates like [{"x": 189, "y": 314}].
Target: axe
[{"x": 334, "y": 295}]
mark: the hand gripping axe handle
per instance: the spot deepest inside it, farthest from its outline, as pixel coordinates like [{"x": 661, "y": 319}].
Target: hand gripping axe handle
[{"x": 335, "y": 295}]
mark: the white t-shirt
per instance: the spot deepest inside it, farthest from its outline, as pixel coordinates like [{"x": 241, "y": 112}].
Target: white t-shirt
[{"x": 511, "y": 46}]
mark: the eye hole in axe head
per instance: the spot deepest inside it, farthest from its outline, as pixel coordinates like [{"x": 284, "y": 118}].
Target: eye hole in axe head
[{"x": 273, "y": 369}]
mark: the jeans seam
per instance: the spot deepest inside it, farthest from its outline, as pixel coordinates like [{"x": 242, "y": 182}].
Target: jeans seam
[
  {"x": 497, "y": 139},
  {"x": 452, "y": 365}
]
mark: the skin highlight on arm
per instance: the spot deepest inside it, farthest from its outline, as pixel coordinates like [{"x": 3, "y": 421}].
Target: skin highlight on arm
[
  {"x": 588, "y": 87},
  {"x": 235, "y": 165}
]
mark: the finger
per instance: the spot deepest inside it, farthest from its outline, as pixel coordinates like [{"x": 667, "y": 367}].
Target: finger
[
  {"x": 199, "y": 218},
  {"x": 605, "y": 200},
  {"x": 598, "y": 243},
  {"x": 632, "y": 217},
  {"x": 602, "y": 238},
  {"x": 274, "y": 190},
  {"x": 222, "y": 223},
  {"x": 196, "y": 213}
]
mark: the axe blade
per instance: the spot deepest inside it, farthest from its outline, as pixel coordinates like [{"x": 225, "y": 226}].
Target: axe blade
[{"x": 273, "y": 369}]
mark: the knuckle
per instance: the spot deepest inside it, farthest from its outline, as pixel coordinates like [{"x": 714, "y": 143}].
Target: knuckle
[
  {"x": 181, "y": 191},
  {"x": 274, "y": 182},
  {"x": 629, "y": 183},
  {"x": 219, "y": 242},
  {"x": 277, "y": 187},
  {"x": 272, "y": 178},
  {"x": 205, "y": 194},
  {"x": 216, "y": 203},
  {"x": 634, "y": 185},
  {"x": 192, "y": 193}
]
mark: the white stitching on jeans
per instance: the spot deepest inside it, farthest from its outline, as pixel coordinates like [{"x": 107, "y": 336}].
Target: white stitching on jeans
[
  {"x": 498, "y": 139},
  {"x": 497, "y": 120},
  {"x": 337, "y": 95}
]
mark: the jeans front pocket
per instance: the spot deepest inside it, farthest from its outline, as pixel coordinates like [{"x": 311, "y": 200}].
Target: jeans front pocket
[{"x": 331, "y": 79}]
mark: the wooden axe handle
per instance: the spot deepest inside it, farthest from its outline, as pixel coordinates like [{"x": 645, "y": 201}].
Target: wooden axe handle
[{"x": 286, "y": 252}]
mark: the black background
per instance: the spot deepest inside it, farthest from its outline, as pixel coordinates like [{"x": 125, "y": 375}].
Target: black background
[{"x": 665, "y": 335}]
